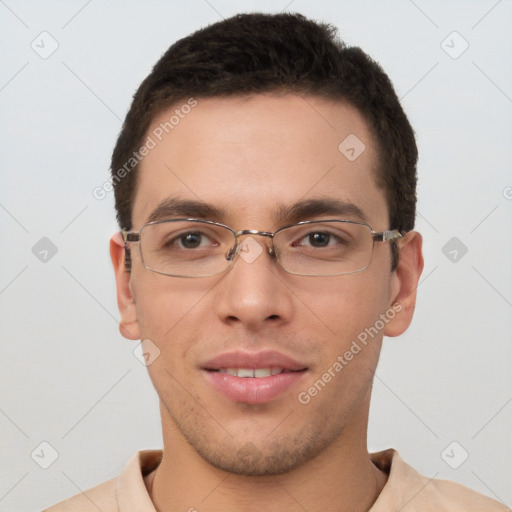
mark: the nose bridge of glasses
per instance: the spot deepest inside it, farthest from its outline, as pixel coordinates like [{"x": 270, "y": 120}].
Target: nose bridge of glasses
[
  {"x": 245, "y": 232},
  {"x": 253, "y": 232}
]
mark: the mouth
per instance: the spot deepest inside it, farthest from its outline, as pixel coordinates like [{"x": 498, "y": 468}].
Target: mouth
[
  {"x": 253, "y": 378},
  {"x": 257, "y": 373}
]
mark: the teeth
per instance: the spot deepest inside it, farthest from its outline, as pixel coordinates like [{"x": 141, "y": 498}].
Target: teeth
[
  {"x": 249, "y": 372},
  {"x": 262, "y": 372}
]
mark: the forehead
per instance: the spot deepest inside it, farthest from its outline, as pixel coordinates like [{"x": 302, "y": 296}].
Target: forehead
[{"x": 250, "y": 157}]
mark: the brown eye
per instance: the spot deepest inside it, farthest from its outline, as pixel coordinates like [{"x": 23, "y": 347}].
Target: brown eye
[
  {"x": 319, "y": 239},
  {"x": 191, "y": 240}
]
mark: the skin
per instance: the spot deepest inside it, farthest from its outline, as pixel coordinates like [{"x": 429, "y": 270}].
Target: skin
[{"x": 246, "y": 155}]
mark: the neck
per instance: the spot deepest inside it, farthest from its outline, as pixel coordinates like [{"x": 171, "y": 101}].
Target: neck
[{"x": 342, "y": 478}]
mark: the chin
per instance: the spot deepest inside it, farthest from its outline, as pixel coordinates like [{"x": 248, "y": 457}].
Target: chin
[
  {"x": 278, "y": 457},
  {"x": 249, "y": 461}
]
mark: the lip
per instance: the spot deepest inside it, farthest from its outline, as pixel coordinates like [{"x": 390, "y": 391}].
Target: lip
[
  {"x": 253, "y": 360},
  {"x": 253, "y": 390}
]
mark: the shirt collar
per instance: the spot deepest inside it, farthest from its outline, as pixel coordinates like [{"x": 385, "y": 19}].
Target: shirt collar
[{"x": 132, "y": 494}]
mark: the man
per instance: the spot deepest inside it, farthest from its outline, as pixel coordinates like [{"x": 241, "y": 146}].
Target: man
[{"x": 265, "y": 182}]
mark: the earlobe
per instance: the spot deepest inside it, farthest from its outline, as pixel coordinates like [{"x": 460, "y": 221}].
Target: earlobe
[
  {"x": 405, "y": 283},
  {"x": 128, "y": 325}
]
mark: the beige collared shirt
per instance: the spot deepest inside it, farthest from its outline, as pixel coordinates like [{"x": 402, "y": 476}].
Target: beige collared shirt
[{"x": 406, "y": 490}]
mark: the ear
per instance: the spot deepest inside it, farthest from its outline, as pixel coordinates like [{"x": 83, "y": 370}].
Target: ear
[
  {"x": 404, "y": 283},
  {"x": 128, "y": 325}
]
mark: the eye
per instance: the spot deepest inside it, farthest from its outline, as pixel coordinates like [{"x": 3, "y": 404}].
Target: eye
[
  {"x": 319, "y": 239},
  {"x": 189, "y": 240}
]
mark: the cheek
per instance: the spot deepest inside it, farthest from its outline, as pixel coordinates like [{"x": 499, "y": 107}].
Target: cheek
[
  {"x": 161, "y": 304},
  {"x": 344, "y": 306},
  {"x": 171, "y": 312},
  {"x": 165, "y": 313}
]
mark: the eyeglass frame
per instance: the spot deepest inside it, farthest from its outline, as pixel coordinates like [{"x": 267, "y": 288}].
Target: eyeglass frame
[{"x": 135, "y": 236}]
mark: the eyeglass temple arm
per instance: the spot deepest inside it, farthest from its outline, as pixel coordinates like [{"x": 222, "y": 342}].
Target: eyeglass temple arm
[
  {"x": 384, "y": 236},
  {"x": 130, "y": 236}
]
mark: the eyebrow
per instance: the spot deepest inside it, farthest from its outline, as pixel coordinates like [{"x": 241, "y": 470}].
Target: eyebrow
[
  {"x": 189, "y": 208},
  {"x": 301, "y": 210},
  {"x": 311, "y": 208}
]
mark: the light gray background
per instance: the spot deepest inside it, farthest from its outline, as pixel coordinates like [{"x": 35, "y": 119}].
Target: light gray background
[{"x": 67, "y": 376}]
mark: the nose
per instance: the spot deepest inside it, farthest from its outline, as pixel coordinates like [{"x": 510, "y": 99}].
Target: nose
[{"x": 253, "y": 292}]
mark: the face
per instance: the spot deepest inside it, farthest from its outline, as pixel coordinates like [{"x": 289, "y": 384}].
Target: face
[{"x": 251, "y": 160}]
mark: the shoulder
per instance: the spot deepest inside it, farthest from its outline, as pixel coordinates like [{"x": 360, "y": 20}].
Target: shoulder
[
  {"x": 409, "y": 490},
  {"x": 102, "y": 497},
  {"x": 451, "y": 494},
  {"x": 126, "y": 492}
]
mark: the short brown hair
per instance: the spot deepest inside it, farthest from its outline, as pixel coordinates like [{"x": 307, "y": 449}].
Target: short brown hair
[{"x": 255, "y": 53}]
